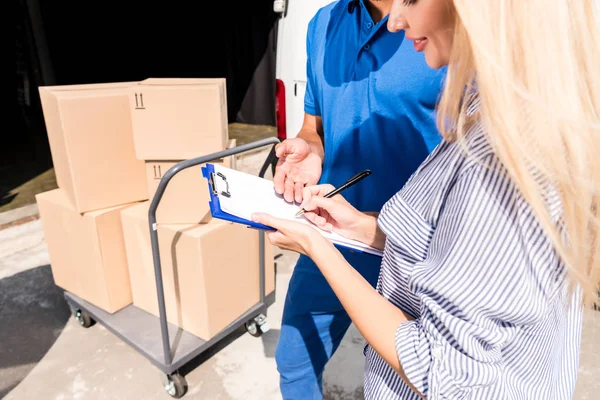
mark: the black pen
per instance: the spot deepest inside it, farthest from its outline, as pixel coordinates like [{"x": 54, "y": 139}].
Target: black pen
[{"x": 346, "y": 185}]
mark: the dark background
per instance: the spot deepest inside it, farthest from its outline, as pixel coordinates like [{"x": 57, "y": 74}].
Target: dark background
[{"x": 76, "y": 42}]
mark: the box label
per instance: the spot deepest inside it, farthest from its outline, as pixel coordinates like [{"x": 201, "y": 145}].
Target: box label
[{"x": 139, "y": 101}]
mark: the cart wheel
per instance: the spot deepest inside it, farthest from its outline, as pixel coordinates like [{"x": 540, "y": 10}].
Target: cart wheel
[
  {"x": 253, "y": 328},
  {"x": 84, "y": 319},
  {"x": 176, "y": 386}
]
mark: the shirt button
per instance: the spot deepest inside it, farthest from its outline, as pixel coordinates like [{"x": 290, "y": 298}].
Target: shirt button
[
  {"x": 436, "y": 352},
  {"x": 367, "y": 46},
  {"x": 369, "y": 25}
]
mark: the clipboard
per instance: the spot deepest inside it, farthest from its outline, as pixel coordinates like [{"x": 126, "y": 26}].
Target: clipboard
[
  {"x": 219, "y": 188},
  {"x": 208, "y": 172}
]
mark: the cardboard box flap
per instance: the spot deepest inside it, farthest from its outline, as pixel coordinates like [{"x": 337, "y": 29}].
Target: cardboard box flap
[
  {"x": 83, "y": 94},
  {"x": 139, "y": 212},
  {"x": 56, "y": 197},
  {"x": 114, "y": 258},
  {"x": 182, "y": 81},
  {"x": 88, "y": 86},
  {"x": 97, "y": 213},
  {"x": 199, "y": 231},
  {"x": 58, "y": 147}
]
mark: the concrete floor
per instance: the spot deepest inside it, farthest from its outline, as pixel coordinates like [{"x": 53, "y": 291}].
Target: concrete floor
[
  {"x": 45, "y": 354},
  {"x": 94, "y": 364}
]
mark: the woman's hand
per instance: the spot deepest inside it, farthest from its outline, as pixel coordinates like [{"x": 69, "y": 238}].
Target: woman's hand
[
  {"x": 292, "y": 235},
  {"x": 336, "y": 214}
]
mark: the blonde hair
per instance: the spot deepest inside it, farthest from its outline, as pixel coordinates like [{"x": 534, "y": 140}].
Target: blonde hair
[{"x": 536, "y": 68}]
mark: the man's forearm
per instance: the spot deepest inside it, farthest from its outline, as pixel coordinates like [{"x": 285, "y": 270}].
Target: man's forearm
[{"x": 314, "y": 140}]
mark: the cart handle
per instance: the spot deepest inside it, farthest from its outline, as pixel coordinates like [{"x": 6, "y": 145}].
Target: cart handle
[{"x": 154, "y": 234}]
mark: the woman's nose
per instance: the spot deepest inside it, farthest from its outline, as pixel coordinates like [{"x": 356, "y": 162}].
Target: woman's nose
[{"x": 396, "y": 20}]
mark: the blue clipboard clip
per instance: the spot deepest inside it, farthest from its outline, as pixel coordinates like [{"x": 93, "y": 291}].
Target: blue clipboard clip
[{"x": 208, "y": 172}]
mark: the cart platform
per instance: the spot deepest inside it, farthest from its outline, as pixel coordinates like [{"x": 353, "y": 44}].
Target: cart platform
[{"x": 141, "y": 330}]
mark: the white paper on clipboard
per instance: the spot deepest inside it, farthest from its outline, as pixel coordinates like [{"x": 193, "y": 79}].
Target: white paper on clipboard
[{"x": 249, "y": 194}]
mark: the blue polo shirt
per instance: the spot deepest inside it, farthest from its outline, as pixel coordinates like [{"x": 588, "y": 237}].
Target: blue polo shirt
[{"x": 376, "y": 97}]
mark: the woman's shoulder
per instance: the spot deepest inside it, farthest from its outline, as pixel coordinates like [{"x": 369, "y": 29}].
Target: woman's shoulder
[
  {"x": 450, "y": 161},
  {"x": 464, "y": 165}
]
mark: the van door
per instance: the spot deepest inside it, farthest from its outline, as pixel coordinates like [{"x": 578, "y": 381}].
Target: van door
[{"x": 291, "y": 55}]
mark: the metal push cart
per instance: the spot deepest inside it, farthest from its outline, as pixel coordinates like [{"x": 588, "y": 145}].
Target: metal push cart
[{"x": 168, "y": 347}]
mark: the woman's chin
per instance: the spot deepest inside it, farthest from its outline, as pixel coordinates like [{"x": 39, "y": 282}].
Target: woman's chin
[{"x": 434, "y": 60}]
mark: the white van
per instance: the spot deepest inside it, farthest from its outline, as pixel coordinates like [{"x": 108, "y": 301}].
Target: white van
[{"x": 290, "y": 64}]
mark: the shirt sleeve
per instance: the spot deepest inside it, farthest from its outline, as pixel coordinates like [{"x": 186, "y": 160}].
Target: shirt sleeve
[
  {"x": 311, "y": 105},
  {"x": 478, "y": 285}
]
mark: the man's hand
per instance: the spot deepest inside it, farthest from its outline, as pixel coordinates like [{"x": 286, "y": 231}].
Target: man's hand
[{"x": 298, "y": 167}]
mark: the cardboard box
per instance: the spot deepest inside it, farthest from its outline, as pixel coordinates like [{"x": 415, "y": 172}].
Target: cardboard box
[
  {"x": 87, "y": 251},
  {"x": 210, "y": 271},
  {"x": 91, "y": 141},
  {"x": 179, "y": 119},
  {"x": 185, "y": 201},
  {"x": 91, "y": 86}
]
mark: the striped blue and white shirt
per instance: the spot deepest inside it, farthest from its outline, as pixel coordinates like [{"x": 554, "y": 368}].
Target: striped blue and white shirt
[{"x": 466, "y": 257}]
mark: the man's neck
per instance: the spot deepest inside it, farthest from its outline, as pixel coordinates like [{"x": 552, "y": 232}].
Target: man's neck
[{"x": 378, "y": 8}]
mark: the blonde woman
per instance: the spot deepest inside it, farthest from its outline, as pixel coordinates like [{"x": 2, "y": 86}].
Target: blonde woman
[{"x": 492, "y": 248}]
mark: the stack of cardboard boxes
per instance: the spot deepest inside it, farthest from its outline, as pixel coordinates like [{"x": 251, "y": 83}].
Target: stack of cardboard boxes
[{"x": 111, "y": 144}]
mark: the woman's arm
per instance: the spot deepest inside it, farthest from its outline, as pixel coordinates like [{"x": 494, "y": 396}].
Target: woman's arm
[
  {"x": 370, "y": 233},
  {"x": 375, "y": 317}
]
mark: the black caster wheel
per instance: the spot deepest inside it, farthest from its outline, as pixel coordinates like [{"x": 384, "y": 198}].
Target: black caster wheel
[
  {"x": 176, "y": 386},
  {"x": 253, "y": 328},
  {"x": 84, "y": 319},
  {"x": 257, "y": 326}
]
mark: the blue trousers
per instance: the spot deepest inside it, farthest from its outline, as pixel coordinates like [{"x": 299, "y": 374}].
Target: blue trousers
[{"x": 314, "y": 323}]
